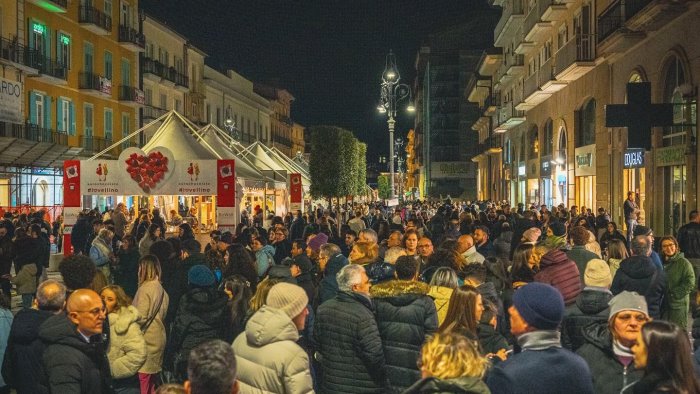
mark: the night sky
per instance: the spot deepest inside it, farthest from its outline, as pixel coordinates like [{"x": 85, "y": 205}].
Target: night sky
[{"x": 328, "y": 53}]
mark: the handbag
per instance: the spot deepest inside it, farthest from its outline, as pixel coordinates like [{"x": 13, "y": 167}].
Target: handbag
[{"x": 144, "y": 328}]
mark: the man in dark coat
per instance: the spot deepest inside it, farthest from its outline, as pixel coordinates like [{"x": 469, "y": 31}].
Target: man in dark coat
[
  {"x": 349, "y": 344},
  {"x": 296, "y": 230},
  {"x": 75, "y": 359},
  {"x": 526, "y": 222},
  {"x": 79, "y": 234},
  {"x": 639, "y": 274},
  {"x": 542, "y": 366},
  {"x": 330, "y": 261},
  {"x": 22, "y": 366},
  {"x": 578, "y": 253},
  {"x": 405, "y": 315},
  {"x": 302, "y": 269},
  {"x": 7, "y": 254}
]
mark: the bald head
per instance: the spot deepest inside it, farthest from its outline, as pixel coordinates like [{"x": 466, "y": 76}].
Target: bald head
[
  {"x": 464, "y": 242},
  {"x": 87, "y": 311},
  {"x": 51, "y": 296}
]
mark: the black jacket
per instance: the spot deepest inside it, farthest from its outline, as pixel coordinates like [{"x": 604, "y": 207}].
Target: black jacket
[
  {"x": 126, "y": 274},
  {"x": 296, "y": 230},
  {"x": 521, "y": 225},
  {"x": 607, "y": 237},
  {"x": 638, "y": 273},
  {"x": 328, "y": 286},
  {"x": 349, "y": 346},
  {"x": 380, "y": 271},
  {"x": 177, "y": 286},
  {"x": 609, "y": 375},
  {"x": 22, "y": 367},
  {"x": 490, "y": 340},
  {"x": 79, "y": 234},
  {"x": 405, "y": 315},
  {"x": 591, "y": 307},
  {"x": 689, "y": 240},
  {"x": 461, "y": 385},
  {"x": 7, "y": 254},
  {"x": 203, "y": 315},
  {"x": 71, "y": 364}
]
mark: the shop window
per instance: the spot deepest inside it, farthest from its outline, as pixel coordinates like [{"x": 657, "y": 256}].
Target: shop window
[
  {"x": 533, "y": 143},
  {"x": 548, "y": 139}
]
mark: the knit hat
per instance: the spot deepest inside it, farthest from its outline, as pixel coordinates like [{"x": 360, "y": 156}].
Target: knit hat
[
  {"x": 532, "y": 234},
  {"x": 641, "y": 230},
  {"x": 597, "y": 274},
  {"x": 540, "y": 305},
  {"x": 627, "y": 301},
  {"x": 558, "y": 228},
  {"x": 200, "y": 276},
  {"x": 290, "y": 299},
  {"x": 317, "y": 241}
]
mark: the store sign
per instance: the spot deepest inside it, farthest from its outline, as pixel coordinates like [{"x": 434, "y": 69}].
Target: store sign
[
  {"x": 633, "y": 158},
  {"x": 584, "y": 160},
  {"x": 670, "y": 156},
  {"x": 449, "y": 169},
  {"x": 521, "y": 171},
  {"x": 10, "y": 101},
  {"x": 545, "y": 168}
]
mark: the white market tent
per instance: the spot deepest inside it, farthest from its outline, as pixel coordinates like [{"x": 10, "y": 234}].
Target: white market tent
[
  {"x": 288, "y": 162},
  {"x": 268, "y": 166}
]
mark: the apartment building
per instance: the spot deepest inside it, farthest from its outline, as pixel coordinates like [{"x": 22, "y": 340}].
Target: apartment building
[{"x": 280, "y": 121}]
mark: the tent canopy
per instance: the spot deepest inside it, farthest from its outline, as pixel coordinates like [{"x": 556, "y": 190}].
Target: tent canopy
[
  {"x": 172, "y": 135},
  {"x": 244, "y": 169}
]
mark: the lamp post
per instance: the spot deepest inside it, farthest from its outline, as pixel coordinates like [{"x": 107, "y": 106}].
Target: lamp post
[
  {"x": 230, "y": 126},
  {"x": 392, "y": 92}
]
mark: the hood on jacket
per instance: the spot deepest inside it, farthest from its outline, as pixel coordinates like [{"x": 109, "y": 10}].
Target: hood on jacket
[
  {"x": 26, "y": 324},
  {"x": 269, "y": 325},
  {"x": 121, "y": 321},
  {"x": 397, "y": 287},
  {"x": 58, "y": 329},
  {"x": 554, "y": 257},
  {"x": 598, "y": 335},
  {"x": 335, "y": 264},
  {"x": 637, "y": 267},
  {"x": 268, "y": 249},
  {"x": 208, "y": 304},
  {"x": 593, "y": 302}
]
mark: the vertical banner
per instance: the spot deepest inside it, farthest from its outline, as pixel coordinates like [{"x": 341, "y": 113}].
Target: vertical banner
[
  {"x": 71, "y": 201},
  {"x": 225, "y": 183},
  {"x": 295, "y": 193}
]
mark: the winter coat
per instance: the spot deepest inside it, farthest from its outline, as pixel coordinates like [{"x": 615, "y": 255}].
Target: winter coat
[
  {"x": 680, "y": 283},
  {"x": 146, "y": 301},
  {"x": 26, "y": 279},
  {"x": 264, "y": 259},
  {"x": 591, "y": 307},
  {"x": 7, "y": 254},
  {"x": 283, "y": 249},
  {"x": 558, "y": 270},
  {"x": 5, "y": 326},
  {"x": 441, "y": 295},
  {"x": 652, "y": 383},
  {"x": 380, "y": 271},
  {"x": 127, "y": 348},
  {"x": 461, "y": 385},
  {"x": 27, "y": 251},
  {"x": 126, "y": 273},
  {"x": 609, "y": 375},
  {"x": 490, "y": 340},
  {"x": 268, "y": 359},
  {"x": 405, "y": 316},
  {"x": 607, "y": 237},
  {"x": 71, "y": 364},
  {"x": 581, "y": 256},
  {"x": 328, "y": 287},
  {"x": 177, "y": 285},
  {"x": 202, "y": 315},
  {"x": 689, "y": 240},
  {"x": 79, "y": 233},
  {"x": 521, "y": 225},
  {"x": 501, "y": 245},
  {"x": 349, "y": 346},
  {"x": 22, "y": 366},
  {"x": 638, "y": 273},
  {"x": 145, "y": 245}
]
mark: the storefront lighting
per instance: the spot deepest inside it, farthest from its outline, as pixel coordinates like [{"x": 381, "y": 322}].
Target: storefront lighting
[
  {"x": 65, "y": 40},
  {"x": 38, "y": 28}
]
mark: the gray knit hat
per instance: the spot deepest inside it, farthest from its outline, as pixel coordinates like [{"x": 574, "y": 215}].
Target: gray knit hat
[{"x": 627, "y": 301}]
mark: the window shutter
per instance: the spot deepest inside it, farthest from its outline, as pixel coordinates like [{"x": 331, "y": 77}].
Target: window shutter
[
  {"x": 71, "y": 120},
  {"x": 59, "y": 115},
  {"x": 47, "y": 112},
  {"x": 32, "y": 108}
]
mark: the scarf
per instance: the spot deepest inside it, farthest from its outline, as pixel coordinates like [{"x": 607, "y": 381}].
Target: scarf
[
  {"x": 540, "y": 340},
  {"x": 100, "y": 244},
  {"x": 621, "y": 350}
]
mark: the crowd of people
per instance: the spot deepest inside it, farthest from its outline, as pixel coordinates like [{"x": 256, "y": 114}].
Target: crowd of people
[{"x": 426, "y": 297}]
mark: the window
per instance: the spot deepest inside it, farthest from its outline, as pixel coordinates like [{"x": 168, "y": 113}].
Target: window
[
  {"x": 149, "y": 50},
  {"x": 88, "y": 119},
  {"x": 585, "y": 133},
  {"x": 208, "y": 113},
  {"x": 108, "y": 124},
  {"x": 163, "y": 101},
  {"x": 108, "y": 65},
  {"x": 534, "y": 143},
  {"x": 179, "y": 64},
  {"x": 88, "y": 57},
  {"x": 63, "y": 49},
  {"x": 126, "y": 124},
  {"x": 548, "y": 140},
  {"x": 108, "y": 8},
  {"x": 126, "y": 72},
  {"x": 36, "y": 108},
  {"x": 218, "y": 116},
  {"x": 563, "y": 36},
  {"x": 65, "y": 118},
  {"x": 178, "y": 104},
  {"x": 148, "y": 96},
  {"x": 684, "y": 109},
  {"x": 125, "y": 14}
]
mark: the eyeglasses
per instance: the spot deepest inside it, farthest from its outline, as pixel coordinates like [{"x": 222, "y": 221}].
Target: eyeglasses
[{"x": 95, "y": 311}]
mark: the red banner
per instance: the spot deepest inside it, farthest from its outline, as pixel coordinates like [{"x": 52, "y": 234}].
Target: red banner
[
  {"x": 71, "y": 183},
  {"x": 225, "y": 183},
  {"x": 295, "y": 192}
]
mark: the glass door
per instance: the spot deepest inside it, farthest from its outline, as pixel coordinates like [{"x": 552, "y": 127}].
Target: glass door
[{"x": 674, "y": 200}]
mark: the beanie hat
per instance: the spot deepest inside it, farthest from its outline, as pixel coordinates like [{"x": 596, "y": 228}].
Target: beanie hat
[
  {"x": 627, "y": 301},
  {"x": 200, "y": 276},
  {"x": 290, "y": 299},
  {"x": 540, "y": 305},
  {"x": 558, "y": 228},
  {"x": 641, "y": 230},
  {"x": 317, "y": 241},
  {"x": 597, "y": 274},
  {"x": 532, "y": 234}
]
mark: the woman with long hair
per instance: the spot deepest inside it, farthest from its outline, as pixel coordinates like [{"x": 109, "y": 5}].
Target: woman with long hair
[
  {"x": 239, "y": 293},
  {"x": 523, "y": 269},
  {"x": 240, "y": 261},
  {"x": 151, "y": 301},
  {"x": 663, "y": 351},
  {"x": 126, "y": 273},
  {"x": 611, "y": 233},
  {"x": 464, "y": 312},
  {"x": 410, "y": 242},
  {"x": 154, "y": 234},
  {"x": 127, "y": 348},
  {"x": 363, "y": 253},
  {"x": 680, "y": 282},
  {"x": 616, "y": 252}
]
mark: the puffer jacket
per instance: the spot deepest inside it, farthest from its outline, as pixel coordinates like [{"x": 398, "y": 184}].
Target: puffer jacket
[
  {"x": 264, "y": 259},
  {"x": 609, "y": 375},
  {"x": 328, "y": 287},
  {"x": 461, "y": 385},
  {"x": 349, "y": 346},
  {"x": 26, "y": 279},
  {"x": 203, "y": 315},
  {"x": 638, "y": 273},
  {"x": 558, "y": 270},
  {"x": 591, "y": 307},
  {"x": 405, "y": 315},
  {"x": 441, "y": 295},
  {"x": 268, "y": 360},
  {"x": 127, "y": 348},
  {"x": 680, "y": 278}
]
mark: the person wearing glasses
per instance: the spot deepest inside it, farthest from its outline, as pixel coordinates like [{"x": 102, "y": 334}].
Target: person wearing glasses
[
  {"x": 608, "y": 348},
  {"x": 75, "y": 359}
]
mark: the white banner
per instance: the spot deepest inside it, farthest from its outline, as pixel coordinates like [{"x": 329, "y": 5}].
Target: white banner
[{"x": 11, "y": 101}]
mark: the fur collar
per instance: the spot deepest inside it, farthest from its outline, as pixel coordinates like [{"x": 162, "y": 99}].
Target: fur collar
[{"x": 398, "y": 287}]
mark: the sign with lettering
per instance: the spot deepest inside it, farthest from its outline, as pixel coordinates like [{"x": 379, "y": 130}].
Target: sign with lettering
[
  {"x": 670, "y": 156},
  {"x": 545, "y": 167},
  {"x": 10, "y": 101},
  {"x": 584, "y": 160},
  {"x": 449, "y": 169},
  {"x": 633, "y": 158}
]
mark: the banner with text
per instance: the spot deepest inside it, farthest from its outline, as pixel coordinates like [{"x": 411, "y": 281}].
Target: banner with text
[
  {"x": 11, "y": 101},
  {"x": 225, "y": 183},
  {"x": 295, "y": 192}
]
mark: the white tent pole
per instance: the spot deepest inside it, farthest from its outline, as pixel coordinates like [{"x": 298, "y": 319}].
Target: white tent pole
[{"x": 130, "y": 135}]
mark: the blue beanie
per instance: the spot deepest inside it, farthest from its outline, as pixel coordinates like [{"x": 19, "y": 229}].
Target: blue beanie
[
  {"x": 200, "y": 276},
  {"x": 540, "y": 305}
]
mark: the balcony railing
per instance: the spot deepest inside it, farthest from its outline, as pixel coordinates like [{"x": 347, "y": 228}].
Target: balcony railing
[
  {"x": 617, "y": 13},
  {"x": 92, "y": 81},
  {"x": 130, "y": 93},
  {"x": 92, "y": 143},
  {"x": 45, "y": 65},
  {"x": 13, "y": 51},
  {"x": 510, "y": 8},
  {"x": 580, "y": 48},
  {"x": 150, "y": 112},
  {"x": 281, "y": 140},
  {"x": 150, "y": 66},
  {"x": 32, "y": 132},
  {"x": 94, "y": 16},
  {"x": 131, "y": 35}
]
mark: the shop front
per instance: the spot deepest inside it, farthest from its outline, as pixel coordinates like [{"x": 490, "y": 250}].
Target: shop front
[
  {"x": 634, "y": 178},
  {"x": 546, "y": 181},
  {"x": 585, "y": 172},
  {"x": 533, "y": 183},
  {"x": 671, "y": 166},
  {"x": 520, "y": 184}
]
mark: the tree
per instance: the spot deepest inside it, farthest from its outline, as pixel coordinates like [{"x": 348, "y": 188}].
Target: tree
[
  {"x": 323, "y": 163},
  {"x": 361, "y": 167},
  {"x": 347, "y": 177},
  {"x": 383, "y": 187}
]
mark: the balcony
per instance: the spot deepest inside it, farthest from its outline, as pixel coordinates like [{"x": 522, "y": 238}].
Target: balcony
[
  {"x": 95, "y": 20},
  {"x": 131, "y": 96},
  {"x": 95, "y": 84},
  {"x": 539, "y": 86},
  {"x": 30, "y": 144},
  {"x": 536, "y": 26},
  {"x": 160, "y": 73},
  {"x": 151, "y": 113},
  {"x": 514, "y": 67},
  {"x": 15, "y": 55},
  {"x": 50, "y": 71},
  {"x": 493, "y": 144},
  {"x": 508, "y": 117},
  {"x": 511, "y": 18},
  {"x": 58, "y": 6},
  {"x": 93, "y": 144},
  {"x": 575, "y": 58},
  {"x": 280, "y": 140},
  {"x": 131, "y": 39}
]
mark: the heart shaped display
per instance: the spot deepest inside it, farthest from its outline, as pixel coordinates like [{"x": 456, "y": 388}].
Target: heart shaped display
[{"x": 148, "y": 170}]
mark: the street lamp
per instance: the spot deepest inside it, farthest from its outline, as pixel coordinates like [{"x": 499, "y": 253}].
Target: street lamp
[
  {"x": 391, "y": 92},
  {"x": 230, "y": 126}
]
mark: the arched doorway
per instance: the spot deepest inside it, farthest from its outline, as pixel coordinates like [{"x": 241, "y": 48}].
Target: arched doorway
[
  {"x": 584, "y": 138},
  {"x": 546, "y": 160},
  {"x": 561, "y": 170},
  {"x": 41, "y": 193}
]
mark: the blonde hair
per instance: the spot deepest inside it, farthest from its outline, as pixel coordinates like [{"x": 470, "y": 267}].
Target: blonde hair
[
  {"x": 123, "y": 300},
  {"x": 449, "y": 355},
  {"x": 149, "y": 268},
  {"x": 258, "y": 299}
]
